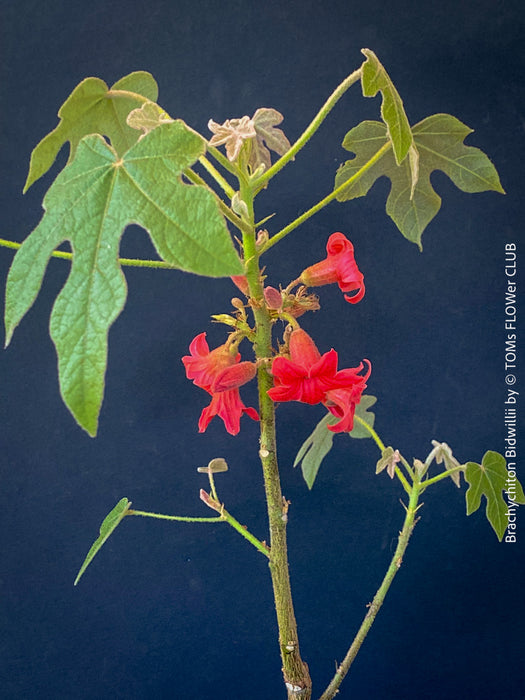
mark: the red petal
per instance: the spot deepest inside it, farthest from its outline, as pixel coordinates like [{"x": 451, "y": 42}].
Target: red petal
[
  {"x": 339, "y": 243},
  {"x": 199, "y": 345}
]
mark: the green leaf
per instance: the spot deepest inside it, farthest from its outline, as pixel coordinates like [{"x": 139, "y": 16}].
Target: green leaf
[
  {"x": 361, "y": 410},
  {"x": 91, "y": 202},
  {"x": 110, "y": 522},
  {"x": 439, "y": 142},
  {"x": 93, "y": 108},
  {"x": 490, "y": 479},
  {"x": 315, "y": 448},
  {"x": 374, "y": 79}
]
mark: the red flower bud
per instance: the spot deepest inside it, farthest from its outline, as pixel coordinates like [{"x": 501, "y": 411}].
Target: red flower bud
[{"x": 339, "y": 266}]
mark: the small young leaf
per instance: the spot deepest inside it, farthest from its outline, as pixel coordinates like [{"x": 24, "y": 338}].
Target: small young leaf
[
  {"x": 489, "y": 479},
  {"x": 315, "y": 448},
  {"x": 444, "y": 456},
  {"x": 91, "y": 202},
  {"x": 268, "y": 137},
  {"x": 374, "y": 79},
  {"x": 110, "y": 522},
  {"x": 361, "y": 410},
  {"x": 388, "y": 461},
  {"x": 93, "y": 108},
  {"x": 439, "y": 142}
]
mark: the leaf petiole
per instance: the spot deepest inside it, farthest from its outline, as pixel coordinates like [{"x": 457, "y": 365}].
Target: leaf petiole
[
  {"x": 129, "y": 262},
  {"x": 177, "y": 518},
  {"x": 309, "y": 131},
  {"x": 329, "y": 198},
  {"x": 228, "y": 190},
  {"x": 443, "y": 475}
]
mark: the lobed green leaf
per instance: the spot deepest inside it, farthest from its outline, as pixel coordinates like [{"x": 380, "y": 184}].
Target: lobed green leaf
[
  {"x": 315, "y": 448},
  {"x": 93, "y": 108},
  {"x": 374, "y": 79},
  {"x": 319, "y": 443},
  {"x": 439, "y": 142},
  {"x": 91, "y": 202},
  {"x": 110, "y": 522},
  {"x": 489, "y": 479}
]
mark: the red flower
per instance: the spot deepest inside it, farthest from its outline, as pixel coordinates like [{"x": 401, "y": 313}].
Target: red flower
[
  {"x": 227, "y": 405},
  {"x": 313, "y": 378},
  {"x": 339, "y": 266},
  {"x": 219, "y": 372}
]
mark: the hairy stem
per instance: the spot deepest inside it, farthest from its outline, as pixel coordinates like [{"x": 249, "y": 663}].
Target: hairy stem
[
  {"x": 326, "y": 200},
  {"x": 310, "y": 129},
  {"x": 375, "y": 605},
  {"x": 443, "y": 475},
  {"x": 212, "y": 502},
  {"x": 217, "y": 176},
  {"x": 129, "y": 262},
  {"x": 295, "y": 671},
  {"x": 225, "y": 209}
]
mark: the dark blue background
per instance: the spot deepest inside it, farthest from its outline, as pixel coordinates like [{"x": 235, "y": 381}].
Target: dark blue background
[{"x": 185, "y": 611}]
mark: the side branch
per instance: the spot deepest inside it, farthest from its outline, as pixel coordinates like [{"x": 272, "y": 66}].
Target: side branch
[
  {"x": 309, "y": 131},
  {"x": 329, "y": 198},
  {"x": 375, "y": 605}
]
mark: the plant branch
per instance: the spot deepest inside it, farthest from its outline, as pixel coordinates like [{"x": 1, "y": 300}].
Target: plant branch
[
  {"x": 220, "y": 158},
  {"x": 375, "y": 605},
  {"x": 440, "y": 477},
  {"x": 329, "y": 198},
  {"x": 228, "y": 189},
  {"x": 225, "y": 209},
  {"x": 295, "y": 671},
  {"x": 178, "y": 518},
  {"x": 128, "y": 262},
  {"x": 212, "y": 503},
  {"x": 372, "y": 432},
  {"x": 330, "y": 103}
]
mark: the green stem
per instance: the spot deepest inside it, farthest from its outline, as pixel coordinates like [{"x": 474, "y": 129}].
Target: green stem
[
  {"x": 309, "y": 131},
  {"x": 228, "y": 517},
  {"x": 402, "y": 479},
  {"x": 440, "y": 477},
  {"x": 179, "y": 518},
  {"x": 382, "y": 447},
  {"x": 329, "y": 198},
  {"x": 375, "y": 605},
  {"x": 129, "y": 262},
  {"x": 295, "y": 671},
  {"x": 223, "y": 517},
  {"x": 220, "y": 158},
  {"x": 215, "y": 504},
  {"x": 372, "y": 432},
  {"x": 225, "y": 210},
  {"x": 229, "y": 191}
]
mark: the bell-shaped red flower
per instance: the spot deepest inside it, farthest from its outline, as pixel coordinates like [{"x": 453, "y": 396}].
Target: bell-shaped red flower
[
  {"x": 313, "y": 378},
  {"x": 220, "y": 372},
  {"x": 338, "y": 266}
]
